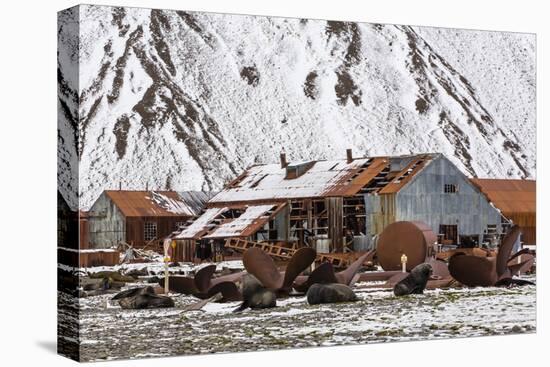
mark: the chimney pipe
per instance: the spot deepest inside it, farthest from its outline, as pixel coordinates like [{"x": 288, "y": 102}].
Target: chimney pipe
[
  {"x": 120, "y": 186},
  {"x": 349, "y": 155},
  {"x": 284, "y": 163}
]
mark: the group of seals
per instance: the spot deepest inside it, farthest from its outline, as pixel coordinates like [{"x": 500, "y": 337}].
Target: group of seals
[
  {"x": 259, "y": 287},
  {"x": 323, "y": 285}
]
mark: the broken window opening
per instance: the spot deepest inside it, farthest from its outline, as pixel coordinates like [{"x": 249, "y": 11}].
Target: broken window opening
[{"x": 450, "y": 189}]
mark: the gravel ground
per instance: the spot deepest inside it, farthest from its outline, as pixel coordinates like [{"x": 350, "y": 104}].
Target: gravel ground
[{"x": 107, "y": 332}]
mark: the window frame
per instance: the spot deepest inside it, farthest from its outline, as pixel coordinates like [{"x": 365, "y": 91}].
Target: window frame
[
  {"x": 450, "y": 188},
  {"x": 147, "y": 231}
]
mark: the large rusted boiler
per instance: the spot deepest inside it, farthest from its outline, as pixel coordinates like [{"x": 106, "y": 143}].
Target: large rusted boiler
[{"x": 409, "y": 238}]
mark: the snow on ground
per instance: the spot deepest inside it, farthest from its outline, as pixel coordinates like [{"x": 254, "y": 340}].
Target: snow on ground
[
  {"x": 108, "y": 332},
  {"x": 156, "y": 267}
]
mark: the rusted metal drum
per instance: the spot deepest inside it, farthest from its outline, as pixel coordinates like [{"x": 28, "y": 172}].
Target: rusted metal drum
[{"x": 409, "y": 238}]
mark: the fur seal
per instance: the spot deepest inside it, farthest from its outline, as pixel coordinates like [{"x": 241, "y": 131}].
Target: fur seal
[
  {"x": 132, "y": 292},
  {"x": 140, "y": 298},
  {"x": 415, "y": 282},
  {"x": 330, "y": 293},
  {"x": 255, "y": 295}
]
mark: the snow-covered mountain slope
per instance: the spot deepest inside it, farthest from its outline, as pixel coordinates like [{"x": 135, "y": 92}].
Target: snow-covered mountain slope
[{"x": 186, "y": 101}]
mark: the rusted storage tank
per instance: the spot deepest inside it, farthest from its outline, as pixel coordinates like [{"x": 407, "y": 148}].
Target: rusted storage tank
[{"x": 404, "y": 237}]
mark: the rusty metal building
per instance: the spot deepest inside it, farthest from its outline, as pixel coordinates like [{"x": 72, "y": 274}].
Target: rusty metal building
[
  {"x": 342, "y": 205},
  {"x": 517, "y": 200},
  {"x": 140, "y": 218}
]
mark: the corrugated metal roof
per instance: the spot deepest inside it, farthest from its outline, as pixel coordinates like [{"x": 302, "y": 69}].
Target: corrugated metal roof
[
  {"x": 249, "y": 222},
  {"x": 158, "y": 203},
  {"x": 516, "y": 199},
  {"x": 405, "y": 175},
  {"x": 201, "y": 224},
  {"x": 322, "y": 179},
  {"x": 213, "y": 223}
]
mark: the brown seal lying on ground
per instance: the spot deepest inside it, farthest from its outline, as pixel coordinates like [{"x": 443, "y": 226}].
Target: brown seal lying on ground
[
  {"x": 415, "y": 282},
  {"x": 140, "y": 298},
  {"x": 325, "y": 274},
  {"x": 330, "y": 293},
  {"x": 255, "y": 295}
]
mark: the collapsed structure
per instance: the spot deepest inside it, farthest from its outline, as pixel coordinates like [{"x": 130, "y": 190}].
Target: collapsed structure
[{"x": 343, "y": 205}]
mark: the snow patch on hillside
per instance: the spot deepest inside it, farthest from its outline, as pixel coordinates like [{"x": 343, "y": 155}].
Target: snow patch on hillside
[{"x": 187, "y": 101}]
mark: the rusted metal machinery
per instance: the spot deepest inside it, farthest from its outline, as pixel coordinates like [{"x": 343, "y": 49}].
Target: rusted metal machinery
[
  {"x": 490, "y": 271},
  {"x": 412, "y": 239},
  {"x": 203, "y": 286},
  {"x": 276, "y": 251},
  {"x": 338, "y": 260},
  {"x": 325, "y": 274},
  {"x": 261, "y": 265},
  {"x": 521, "y": 262}
]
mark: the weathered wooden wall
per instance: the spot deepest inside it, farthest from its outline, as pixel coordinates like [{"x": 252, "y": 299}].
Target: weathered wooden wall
[
  {"x": 67, "y": 224},
  {"x": 335, "y": 212},
  {"x": 85, "y": 259},
  {"x": 135, "y": 227},
  {"x": 106, "y": 224},
  {"x": 380, "y": 211},
  {"x": 185, "y": 251}
]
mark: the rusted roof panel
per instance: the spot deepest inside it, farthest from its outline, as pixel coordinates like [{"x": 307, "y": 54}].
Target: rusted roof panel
[
  {"x": 355, "y": 180},
  {"x": 405, "y": 175},
  {"x": 158, "y": 203},
  {"x": 516, "y": 199},
  {"x": 248, "y": 223},
  {"x": 322, "y": 179},
  {"x": 201, "y": 225}
]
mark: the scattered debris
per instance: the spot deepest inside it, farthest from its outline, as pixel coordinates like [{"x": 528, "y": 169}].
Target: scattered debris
[
  {"x": 474, "y": 271},
  {"x": 197, "y": 306}
]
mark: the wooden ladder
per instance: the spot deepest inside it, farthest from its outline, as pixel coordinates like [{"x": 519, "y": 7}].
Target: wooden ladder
[{"x": 278, "y": 252}]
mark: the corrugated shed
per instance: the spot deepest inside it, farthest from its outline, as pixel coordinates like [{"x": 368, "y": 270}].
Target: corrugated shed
[
  {"x": 271, "y": 182},
  {"x": 158, "y": 203},
  {"x": 516, "y": 199}
]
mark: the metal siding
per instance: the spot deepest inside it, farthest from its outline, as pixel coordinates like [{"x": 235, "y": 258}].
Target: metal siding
[{"x": 423, "y": 199}]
